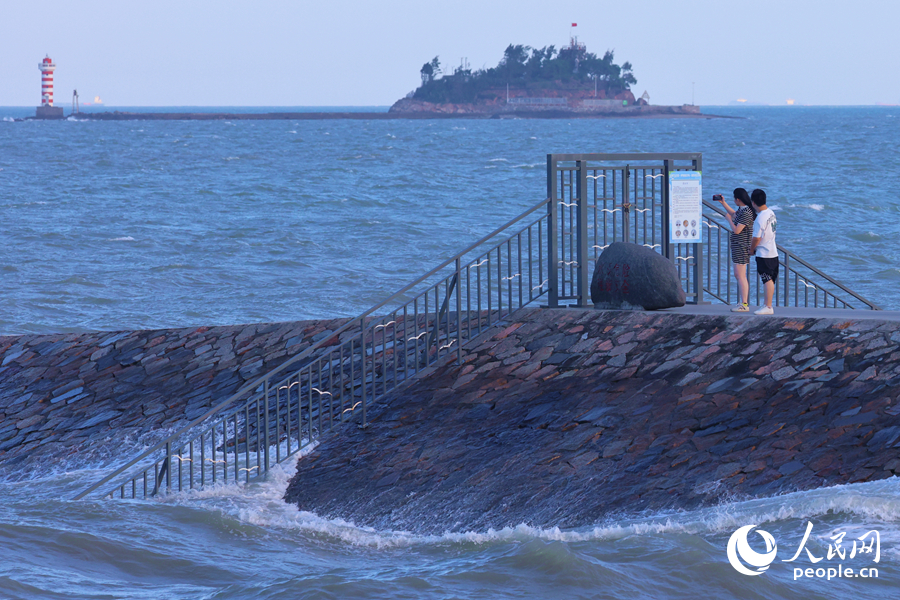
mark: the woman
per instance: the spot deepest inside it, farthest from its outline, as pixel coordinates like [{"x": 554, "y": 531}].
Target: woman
[{"x": 741, "y": 232}]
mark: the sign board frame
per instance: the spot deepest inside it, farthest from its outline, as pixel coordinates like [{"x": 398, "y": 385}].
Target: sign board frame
[{"x": 686, "y": 207}]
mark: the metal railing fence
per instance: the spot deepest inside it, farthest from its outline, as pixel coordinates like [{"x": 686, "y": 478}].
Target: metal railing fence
[
  {"x": 599, "y": 199},
  {"x": 338, "y": 378}
]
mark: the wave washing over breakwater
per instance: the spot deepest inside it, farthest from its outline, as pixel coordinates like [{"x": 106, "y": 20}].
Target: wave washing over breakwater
[
  {"x": 131, "y": 225},
  {"x": 242, "y": 542}
]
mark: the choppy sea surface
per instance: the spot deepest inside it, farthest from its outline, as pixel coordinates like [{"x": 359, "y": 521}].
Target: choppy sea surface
[
  {"x": 244, "y": 542},
  {"x": 151, "y": 224},
  {"x": 140, "y": 224}
]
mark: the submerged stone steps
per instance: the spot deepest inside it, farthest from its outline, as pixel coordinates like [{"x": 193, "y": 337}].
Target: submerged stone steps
[
  {"x": 63, "y": 395},
  {"x": 563, "y": 417}
]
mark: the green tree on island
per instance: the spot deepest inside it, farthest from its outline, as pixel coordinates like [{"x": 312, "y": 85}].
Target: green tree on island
[
  {"x": 430, "y": 70},
  {"x": 572, "y": 68}
]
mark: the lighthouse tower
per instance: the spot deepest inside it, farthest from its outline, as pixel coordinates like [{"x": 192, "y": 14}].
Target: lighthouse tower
[
  {"x": 46, "y": 110},
  {"x": 47, "y": 67}
]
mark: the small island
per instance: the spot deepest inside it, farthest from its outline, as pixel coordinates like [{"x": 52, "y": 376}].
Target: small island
[{"x": 535, "y": 82}]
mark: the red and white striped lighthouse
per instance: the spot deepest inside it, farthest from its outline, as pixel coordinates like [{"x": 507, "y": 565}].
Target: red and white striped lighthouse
[{"x": 47, "y": 67}]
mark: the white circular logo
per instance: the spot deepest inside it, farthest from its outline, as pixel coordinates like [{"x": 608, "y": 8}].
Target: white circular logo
[{"x": 740, "y": 552}]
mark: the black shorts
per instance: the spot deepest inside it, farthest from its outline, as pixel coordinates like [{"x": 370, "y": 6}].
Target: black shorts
[{"x": 767, "y": 268}]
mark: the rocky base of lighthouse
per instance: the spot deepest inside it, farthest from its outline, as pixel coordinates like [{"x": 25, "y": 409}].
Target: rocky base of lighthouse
[{"x": 49, "y": 112}]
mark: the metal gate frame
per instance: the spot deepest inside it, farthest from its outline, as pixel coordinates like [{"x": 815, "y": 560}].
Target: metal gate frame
[{"x": 570, "y": 256}]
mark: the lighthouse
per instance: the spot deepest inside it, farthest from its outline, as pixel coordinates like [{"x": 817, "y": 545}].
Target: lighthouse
[
  {"x": 46, "y": 110},
  {"x": 47, "y": 67}
]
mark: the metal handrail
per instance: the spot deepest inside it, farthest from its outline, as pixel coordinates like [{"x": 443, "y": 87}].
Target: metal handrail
[
  {"x": 787, "y": 263},
  {"x": 316, "y": 353}
]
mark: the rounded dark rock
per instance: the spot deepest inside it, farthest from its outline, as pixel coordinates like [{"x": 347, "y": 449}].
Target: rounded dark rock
[{"x": 631, "y": 275}]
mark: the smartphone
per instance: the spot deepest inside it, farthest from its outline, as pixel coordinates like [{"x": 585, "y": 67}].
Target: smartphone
[{"x": 717, "y": 197}]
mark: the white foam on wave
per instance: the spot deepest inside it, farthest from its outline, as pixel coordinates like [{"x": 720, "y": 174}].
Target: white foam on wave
[
  {"x": 92, "y": 462},
  {"x": 813, "y": 206},
  {"x": 498, "y": 160},
  {"x": 261, "y": 504},
  {"x": 126, "y": 238}
]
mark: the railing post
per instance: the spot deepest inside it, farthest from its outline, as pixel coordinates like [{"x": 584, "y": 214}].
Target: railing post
[
  {"x": 458, "y": 314},
  {"x": 552, "y": 235},
  {"x": 626, "y": 204},
  {"x": 362, "y": 350},
  {"x": 698, "y": 272},
  {"x": 787, "y": 278},
  {"x": 584, "y": 282},
  {"x": 168, "y": 466},
  {"x": 698, "y": 248},
  {"x": 666, "y": 227},
  {"x": 266, "y": 424}
]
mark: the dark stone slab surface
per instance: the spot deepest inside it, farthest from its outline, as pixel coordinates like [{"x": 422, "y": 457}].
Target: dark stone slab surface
[
  {"x": 563, "y": 417},
  {"x": 72, "y": 394}
]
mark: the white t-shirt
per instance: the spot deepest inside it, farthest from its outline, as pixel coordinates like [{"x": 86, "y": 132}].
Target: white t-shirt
[{"x": 764, "y": 228}]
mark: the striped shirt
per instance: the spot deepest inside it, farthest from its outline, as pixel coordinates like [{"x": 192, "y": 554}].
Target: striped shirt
[{"x": 740, "y": 242}]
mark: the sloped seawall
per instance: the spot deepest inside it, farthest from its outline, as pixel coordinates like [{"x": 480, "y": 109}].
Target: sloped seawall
[
  {"x": 66, "y": 394},
  {"x": 563, "y": 417}
]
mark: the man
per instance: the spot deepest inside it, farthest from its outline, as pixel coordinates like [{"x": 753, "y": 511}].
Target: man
[{"x": 763, "y": 245}]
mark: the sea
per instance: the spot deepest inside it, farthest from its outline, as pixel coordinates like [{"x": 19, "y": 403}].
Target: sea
[{"x": 159, "y": 224}]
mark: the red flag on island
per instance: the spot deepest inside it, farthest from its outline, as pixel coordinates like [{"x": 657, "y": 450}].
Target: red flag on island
[{"x": 574, "y": 24}]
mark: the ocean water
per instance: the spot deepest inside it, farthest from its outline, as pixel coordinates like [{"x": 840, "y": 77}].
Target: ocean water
[
  {"x": 243, "y": 542},
  {"x": 163, "y": 224},
  {"x": 144, "y": 224}
]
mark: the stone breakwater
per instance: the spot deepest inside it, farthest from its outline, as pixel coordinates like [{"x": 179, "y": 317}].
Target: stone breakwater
[
  {"x": 70, "y": 394},
  {"x": 562, "y": 417},
  {"x": 418, "y": 112}
]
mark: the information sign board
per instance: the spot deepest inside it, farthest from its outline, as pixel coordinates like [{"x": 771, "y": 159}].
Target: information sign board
[{"x": 685, "y": 207}]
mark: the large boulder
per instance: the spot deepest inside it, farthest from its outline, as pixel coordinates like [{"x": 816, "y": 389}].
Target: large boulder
[{"x": 631, "y": 275}]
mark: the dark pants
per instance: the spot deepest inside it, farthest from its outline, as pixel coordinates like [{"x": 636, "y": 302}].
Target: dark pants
[{"x": 767, "y": 268}]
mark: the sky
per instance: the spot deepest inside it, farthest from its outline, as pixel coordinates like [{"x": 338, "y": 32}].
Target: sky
[{"x": 363, "y": 53}]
